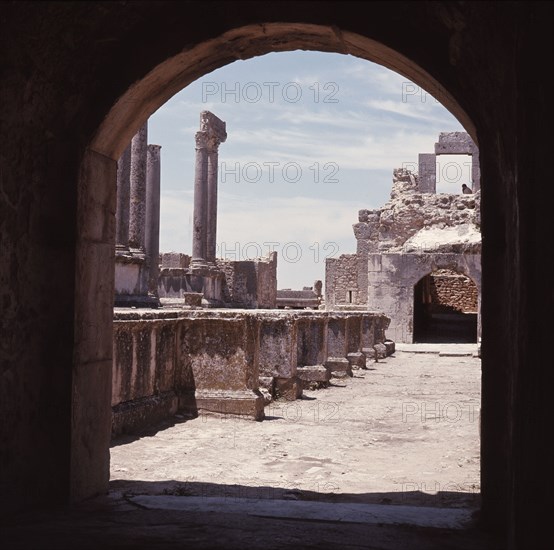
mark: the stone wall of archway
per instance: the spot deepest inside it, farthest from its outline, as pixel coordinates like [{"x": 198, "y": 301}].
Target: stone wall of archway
[
  {"x": 71, "y": 71},
  {"x": 392, "y": 277}
]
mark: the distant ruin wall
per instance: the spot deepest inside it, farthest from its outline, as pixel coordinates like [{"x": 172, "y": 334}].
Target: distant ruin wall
[
  {"x": 453, "y": 292},
  {"x": 341, "y": 280},
  {"x": 251, "y": 284}
]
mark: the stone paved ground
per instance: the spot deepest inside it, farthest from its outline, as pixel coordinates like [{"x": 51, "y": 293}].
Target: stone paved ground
[{"x": 405, "y": 432}]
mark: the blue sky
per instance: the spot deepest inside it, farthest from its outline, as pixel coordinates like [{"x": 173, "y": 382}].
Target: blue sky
[{"x": 312, "y": 139}]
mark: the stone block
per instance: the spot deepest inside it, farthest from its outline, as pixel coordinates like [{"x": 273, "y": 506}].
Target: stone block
[
  {"x": 193, "y": 299},
  {"x": 314, "y": 373},
  {"x": 389, "y": 345},
  {"x": 247, "y": 404},
  {"x": 380, "y": 351},
  {"x": 137, "y": 415},
  {"x": 369, "y": 353},
  {"x": 267, "y": 388},
  {"x": 339, "y": 367},
  {"x": 288, "y": 388},
  {"x": 357, "y": 360}
]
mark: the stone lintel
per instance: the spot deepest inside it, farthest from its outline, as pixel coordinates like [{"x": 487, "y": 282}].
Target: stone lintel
[{"x": 455, "y": 143}]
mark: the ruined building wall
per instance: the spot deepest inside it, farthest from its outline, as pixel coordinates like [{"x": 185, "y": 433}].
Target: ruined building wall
[
  {"x": 453, "y": 291},
  {"x": 341, "y": 280},
  {"x": 251, "y": 284},
  {"x": 211, "y": 361},
  {"x": 411, "y": 236}
]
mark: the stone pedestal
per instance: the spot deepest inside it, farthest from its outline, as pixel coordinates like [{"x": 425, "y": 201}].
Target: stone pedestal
[
  {"x": 222, "y": 353},
  {"x": 278, "y": 355}
]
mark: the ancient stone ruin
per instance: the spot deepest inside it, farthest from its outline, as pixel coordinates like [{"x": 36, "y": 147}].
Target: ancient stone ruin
[
  {"x": 138, "y": 223},
  {"x": 207, "y": 350},
  {"x": 417, "y": 233},
  {"x": 226, "y": 341}
]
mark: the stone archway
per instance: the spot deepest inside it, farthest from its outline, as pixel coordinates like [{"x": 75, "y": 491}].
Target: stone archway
[
  {"x": 96, "y": 232},
  {"x": 65, "y": 65},
  {"x": 445, "y": 308}
]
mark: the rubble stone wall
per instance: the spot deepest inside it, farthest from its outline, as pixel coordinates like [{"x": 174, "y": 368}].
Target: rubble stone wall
[
  {"x": 453, "y": 292},
  {"x": 341, "y": 280}
]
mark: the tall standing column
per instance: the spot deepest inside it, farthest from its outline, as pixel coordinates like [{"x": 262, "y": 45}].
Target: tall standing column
[
  {"x": 212, "y": 133},
  {"x": 137, "y": 212},
  {"x": 199, "y": 230},
  {"x": 212, "y": 201},
  {"x": 122, "y": 208},
  {"x": 152, "y": 231}
]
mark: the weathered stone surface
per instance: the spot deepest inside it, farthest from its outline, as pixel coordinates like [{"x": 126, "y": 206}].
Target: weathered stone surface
[
  {"x": 380, "y": 351},
  {"x": 193, "y": 299},
  {"x": 288, "y": 388},
  {"x": 390, "y": 347},
  {"x": 135, "y": 416},
  {"x": 369, "y": 353},
  {"x": 250, "y": 283},
  {"x": 314, "y": 377},
  {"x": 137, "y": 212},
  {"x": 277, "y": 348},
  {"x": 357, "y": 360},
  {"x": 174, "y": 259},
  {"x": 411, "y": 222},
  {"x": 339, "y": 367},
  {"x": 336, "y": 337},
  {"x": 298, "y": 299}
]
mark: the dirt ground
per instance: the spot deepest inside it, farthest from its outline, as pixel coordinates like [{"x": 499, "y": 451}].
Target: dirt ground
[{"x": 405, "y": 431}]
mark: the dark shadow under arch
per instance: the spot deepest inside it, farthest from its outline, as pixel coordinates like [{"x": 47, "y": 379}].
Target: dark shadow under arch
[{"x": 440, "y": 319}]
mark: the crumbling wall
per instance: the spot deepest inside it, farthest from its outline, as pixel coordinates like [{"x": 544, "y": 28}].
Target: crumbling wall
[
  {"x": 392, "y": 278},
  {"x": 251, "y": 284},
  {"x": 412, "y": 221},
  {"x": 341, "y": 280},
  {"x": 451, "y": 291},
  {"x": 172, "y": 276}
]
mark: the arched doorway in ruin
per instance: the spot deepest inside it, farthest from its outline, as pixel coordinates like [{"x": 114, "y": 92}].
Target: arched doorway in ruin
[
  {"x": 445, "y": 308},
  {"x": 90, "y": 456}
]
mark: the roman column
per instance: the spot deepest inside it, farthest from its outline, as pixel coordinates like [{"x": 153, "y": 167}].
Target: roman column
[
  {"x": 200, "y": 201},
  {"x": 212, "y": 133},
  {"x": 152, "y": 230},
  {"x": 122, "y": 208},
  {"x": 137, "y": 209}
]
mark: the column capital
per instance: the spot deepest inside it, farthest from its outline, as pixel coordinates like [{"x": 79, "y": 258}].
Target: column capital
[{"x": 202, "y": 140}]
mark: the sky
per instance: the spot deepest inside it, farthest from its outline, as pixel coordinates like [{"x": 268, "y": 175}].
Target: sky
[{"x": 311, "y": 139}]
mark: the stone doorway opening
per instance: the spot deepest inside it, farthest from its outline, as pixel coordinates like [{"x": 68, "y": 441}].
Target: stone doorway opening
[{"x": 445, "y": 308}]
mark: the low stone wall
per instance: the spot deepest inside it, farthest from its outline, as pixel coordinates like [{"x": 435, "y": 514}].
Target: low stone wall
[{"x": 214, "y": 361}]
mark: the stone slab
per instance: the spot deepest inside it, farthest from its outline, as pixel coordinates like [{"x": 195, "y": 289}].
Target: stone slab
[{"x": 423, "y": 516}]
